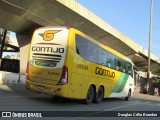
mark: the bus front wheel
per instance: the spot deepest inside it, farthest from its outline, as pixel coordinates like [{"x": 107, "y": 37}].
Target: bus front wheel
[
  {"x": 99, "y": 95},
  {"x": 128, "y": 96},
  {"x": 90, "y": 95}
]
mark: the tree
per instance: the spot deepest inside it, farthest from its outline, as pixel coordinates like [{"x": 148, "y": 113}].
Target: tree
[{"x": 7, "y": 56}]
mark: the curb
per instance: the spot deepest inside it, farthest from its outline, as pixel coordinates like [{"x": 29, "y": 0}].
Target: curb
[{"x": 11, "y": 78}]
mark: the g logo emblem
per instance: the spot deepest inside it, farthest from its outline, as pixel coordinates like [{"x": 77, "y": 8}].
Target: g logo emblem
[{"x": 49, "y": 34}]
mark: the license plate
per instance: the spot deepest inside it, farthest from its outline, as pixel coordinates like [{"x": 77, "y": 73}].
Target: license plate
[{"x": 41, "y": 87}]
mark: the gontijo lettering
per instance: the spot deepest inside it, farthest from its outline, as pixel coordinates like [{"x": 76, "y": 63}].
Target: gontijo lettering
[
  {"x": 47, "y": 49},
  {"x": 104, "y": 72}
]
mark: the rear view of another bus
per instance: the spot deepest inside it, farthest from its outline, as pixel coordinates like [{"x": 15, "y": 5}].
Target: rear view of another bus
[{"x": 45, "y": 68}]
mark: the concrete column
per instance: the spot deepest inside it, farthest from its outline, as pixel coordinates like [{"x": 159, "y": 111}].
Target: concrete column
[
  {"x": 24, "y": 44},
  {"x": 1, "y": 77}
]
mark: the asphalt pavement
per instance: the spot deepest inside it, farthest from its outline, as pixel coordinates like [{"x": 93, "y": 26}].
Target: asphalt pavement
[{"x": 15, "y": 98}]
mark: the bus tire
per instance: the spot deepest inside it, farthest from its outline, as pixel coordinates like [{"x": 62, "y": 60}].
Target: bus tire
[
  {"x": 99, "y": 95},
  {"x": 90, "y": 95},
  {"x": 128, "y": 96}
]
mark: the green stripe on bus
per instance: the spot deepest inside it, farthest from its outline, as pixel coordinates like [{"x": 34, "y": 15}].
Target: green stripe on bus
[
  {"x": 119, "y": 82},
  {"x": 123, "y": 83}
]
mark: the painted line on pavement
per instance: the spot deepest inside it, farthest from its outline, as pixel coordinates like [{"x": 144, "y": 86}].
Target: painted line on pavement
[{"x": 122, "y": 106}]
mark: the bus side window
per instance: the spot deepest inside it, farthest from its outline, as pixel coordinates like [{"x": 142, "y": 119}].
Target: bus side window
[
  {"x": 129, "y": 68},
  {"x": 116, "y": 64},
  {"x": 102, "y": 57},
  {"x": 81, "y": 46},
  {"x": 77, "y": 50},
  {"x": 123, "y": 66},
  {"x": 92, "y": 52},
  {"x": 110, "y": 60},
  {"x": 120, "y": 64}
]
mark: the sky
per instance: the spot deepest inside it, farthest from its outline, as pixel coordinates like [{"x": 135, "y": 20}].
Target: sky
[{"x": 131, "y": 18}]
